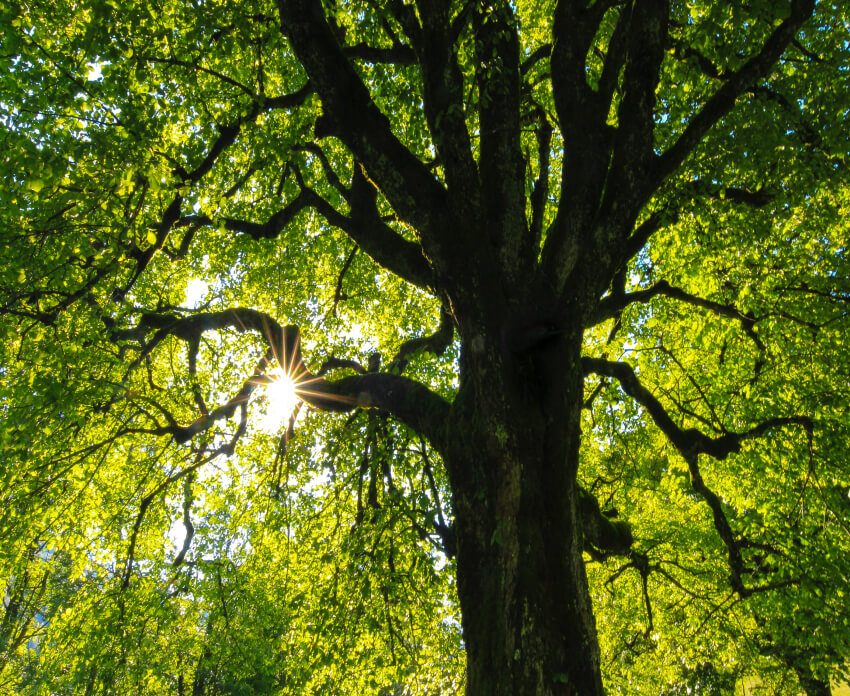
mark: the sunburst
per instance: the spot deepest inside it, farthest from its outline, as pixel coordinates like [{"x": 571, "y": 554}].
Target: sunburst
[{"x": 281, "y": 398}]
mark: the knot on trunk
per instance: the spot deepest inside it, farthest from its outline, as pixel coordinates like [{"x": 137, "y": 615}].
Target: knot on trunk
[{"x": 525, "y": 335}]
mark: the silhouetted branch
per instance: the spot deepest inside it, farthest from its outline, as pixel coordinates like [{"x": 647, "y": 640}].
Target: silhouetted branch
[
  {"x": 612, "y": 305},
  {"x": 736, "y": 83},
  {"x": 436, "y": 343},
  {"x": 691, "y": 443},
  {"x": 187, "y": 521},
  {"x": 409, "y": 401},
  {"x": 411, "y": 189},
  {"x": 398, "y": 54}
]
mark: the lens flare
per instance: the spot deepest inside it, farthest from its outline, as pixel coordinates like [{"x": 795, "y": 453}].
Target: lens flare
[{"x": 280, "y": 399}]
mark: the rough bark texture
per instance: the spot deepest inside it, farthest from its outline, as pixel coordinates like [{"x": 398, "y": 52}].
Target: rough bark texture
[{"x": 512, "y": 454}]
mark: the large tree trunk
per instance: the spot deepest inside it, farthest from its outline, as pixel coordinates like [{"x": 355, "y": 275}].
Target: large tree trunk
[{"x": 527, "y": 617}]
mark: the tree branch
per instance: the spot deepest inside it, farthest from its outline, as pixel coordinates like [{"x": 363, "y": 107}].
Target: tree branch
[
  {"x": 641, "y": 234},
  {"x": 602, "y": 535},
  {"x": 633, "y": 142},
  {"x": 721, "y": 524},
  {"x": 722, "y": 101},
  {"x": 188, "y": 498},
  {"x": 497, "y": 72},
  {"x": 409, "y": 401},
  {"x": 667, "y": 214},
  {"x": 365, "y": 227},
  {"x": 691, "y": 443},
  {"x": 228, "y": 134},
  {"x": 540, "y": 192},
  {"x": 436, "y": 343},
  {"x": 587, "y": 140},
  {"x": 200, "y": 460},
  {"x": 269, "y": 229},
  {"x": 196, "y": 65},
  {"x": 542, "y": 52},
  {"x": 612, "y": 305},
  {"x": 614, "y": 59},
  {"x": 351, "y": 114},
  {"x": 687, "y": 53},
  {"x": 339, "y": 295},
  {"x": 397, "y": 54},
  {"x": 442, "y": 83},
  {"x": 805, "y": 130},
  {"x": 172, "y": 214},
  {"x": 574, "y": 28}
]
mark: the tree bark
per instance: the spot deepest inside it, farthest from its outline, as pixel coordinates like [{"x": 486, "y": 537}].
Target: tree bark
[{"x": 513, "y": 456}]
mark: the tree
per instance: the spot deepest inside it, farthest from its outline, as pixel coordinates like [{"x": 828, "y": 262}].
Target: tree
[{"x": 605, "y": 244}]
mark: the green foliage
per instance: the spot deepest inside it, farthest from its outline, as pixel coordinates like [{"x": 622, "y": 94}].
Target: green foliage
[{"x": 314, "y": 562}]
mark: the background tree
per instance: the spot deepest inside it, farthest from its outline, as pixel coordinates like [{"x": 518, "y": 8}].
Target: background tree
[{"x": 575, "y": 273}]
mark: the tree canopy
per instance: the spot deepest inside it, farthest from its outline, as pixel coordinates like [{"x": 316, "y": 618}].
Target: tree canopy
[{"x": 563, "y": 292}]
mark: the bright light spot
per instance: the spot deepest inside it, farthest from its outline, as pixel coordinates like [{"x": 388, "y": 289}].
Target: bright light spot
[
  {"x": 95, "y": 71},
  {"x": 280, "y": 401},
  {"x": 196, "y": 291},
  {"x": 177, "y": 533}
]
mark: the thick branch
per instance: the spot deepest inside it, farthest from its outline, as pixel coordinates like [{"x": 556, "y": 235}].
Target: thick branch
[
  {"x": 540, "y": 53},
  {"x": 443, "y": 92},
  {"x": 602, "y": 534},
  {"x": 604, "y": 171},
  {"x": 612, "y": 305},
  {"x": 409, "y": 401},
  {"x": 735, "y": 194},
  {"x": 352, "y": 115},
  {"x": 501, "y": 160},
  {"x": 689, "y": 53},
  {"x": 614, "y": 59},
  {"x": 737, "y": 83},
  {"x": 269, "y": 229},
  {"x": 587, "y": 140},
  {"x": 690, "y": 442},
  {"x": 641, "y": 234},
  {"x": 633, "y": 143},
  {"x": 364, "y": 226},
  {"x": 574, "y": 28},
  {"x": 540, "y": 192}
]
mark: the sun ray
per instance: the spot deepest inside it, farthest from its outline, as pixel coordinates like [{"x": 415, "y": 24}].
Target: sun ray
[{"x": 280, "y": 399}]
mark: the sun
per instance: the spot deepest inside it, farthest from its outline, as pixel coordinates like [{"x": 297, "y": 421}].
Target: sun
[{"x": 281, "y": 398}]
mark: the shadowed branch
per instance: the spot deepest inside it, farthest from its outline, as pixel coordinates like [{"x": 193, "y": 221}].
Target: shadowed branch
[
  {"x": 409, "y": 401},
  {"x": 691, "y": 443}
]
